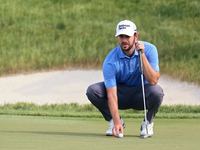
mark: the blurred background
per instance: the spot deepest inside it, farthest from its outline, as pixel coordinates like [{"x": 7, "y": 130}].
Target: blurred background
[{"x": 38, "y": 35}]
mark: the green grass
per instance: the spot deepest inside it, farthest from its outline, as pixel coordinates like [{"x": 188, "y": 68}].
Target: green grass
[
  {"x": 46, "y": 133},
  {"x": 60, "y": 34},
  {"x": 89, "y": 111}
]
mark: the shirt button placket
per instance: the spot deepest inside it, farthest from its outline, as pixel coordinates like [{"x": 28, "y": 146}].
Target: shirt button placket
[{"x": 131, "y": 65}]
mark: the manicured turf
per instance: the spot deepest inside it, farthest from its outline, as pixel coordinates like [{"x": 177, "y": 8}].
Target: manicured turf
[{"x": 46, "y": 133}]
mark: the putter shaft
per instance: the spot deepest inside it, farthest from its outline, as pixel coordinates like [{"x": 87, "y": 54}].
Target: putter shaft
[{"x": 143, "y": 93}]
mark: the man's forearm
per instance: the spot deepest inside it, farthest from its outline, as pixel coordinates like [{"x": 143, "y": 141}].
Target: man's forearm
[
  {"x": 113, "y": 104},
  {"x": 151, "y": 75}
]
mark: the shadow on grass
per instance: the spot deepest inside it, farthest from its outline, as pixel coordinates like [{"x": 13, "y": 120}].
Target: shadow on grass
[{"x": 67, "y": 133}]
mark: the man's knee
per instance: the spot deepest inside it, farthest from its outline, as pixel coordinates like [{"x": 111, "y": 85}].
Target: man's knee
[
  {"x": 96, "y": 91},
  {"x": 90, "y": 92},
  {"x": 156, "y": 94}
]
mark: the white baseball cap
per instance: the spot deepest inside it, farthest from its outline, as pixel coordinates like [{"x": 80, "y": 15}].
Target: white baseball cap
[{"x": 126, "y": 27}]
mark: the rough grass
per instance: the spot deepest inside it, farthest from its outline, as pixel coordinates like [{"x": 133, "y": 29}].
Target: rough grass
[
  {"x": 89, "y": 111},
  {"x": 59, "y": 34}
]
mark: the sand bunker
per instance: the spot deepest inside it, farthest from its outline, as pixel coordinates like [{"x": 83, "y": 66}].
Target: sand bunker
[{"x": 70, "y": 86}]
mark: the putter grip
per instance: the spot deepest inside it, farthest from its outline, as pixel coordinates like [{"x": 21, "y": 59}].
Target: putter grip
[{"x": 140, "y": 62}]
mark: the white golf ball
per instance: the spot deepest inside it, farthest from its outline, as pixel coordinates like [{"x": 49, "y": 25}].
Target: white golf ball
[{"x": 120, "y": 135}]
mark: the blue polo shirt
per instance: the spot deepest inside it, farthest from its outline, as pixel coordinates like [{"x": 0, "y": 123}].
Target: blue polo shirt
[{"x": 119, "y": 68}]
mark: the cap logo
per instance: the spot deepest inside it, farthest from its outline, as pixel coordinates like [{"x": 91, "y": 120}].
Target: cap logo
[{"x": 123, "y": 26}]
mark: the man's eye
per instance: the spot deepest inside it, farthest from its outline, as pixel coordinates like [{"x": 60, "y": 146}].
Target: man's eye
[{"x": 124, "y": 36}]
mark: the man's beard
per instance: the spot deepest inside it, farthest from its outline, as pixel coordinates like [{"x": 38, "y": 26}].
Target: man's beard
[{"x": 129, "y": 48}]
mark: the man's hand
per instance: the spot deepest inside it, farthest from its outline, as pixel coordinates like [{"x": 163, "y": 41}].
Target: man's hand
[
  {"x": 116, "y": 130},
  {"x": 140, "y": 46}
]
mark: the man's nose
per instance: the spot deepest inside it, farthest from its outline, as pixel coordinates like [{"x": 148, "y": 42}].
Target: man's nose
[{"x": 124, "y": 39}]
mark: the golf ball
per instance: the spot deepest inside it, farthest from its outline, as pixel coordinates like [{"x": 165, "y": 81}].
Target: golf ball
[{"x": 120, "y": 135}]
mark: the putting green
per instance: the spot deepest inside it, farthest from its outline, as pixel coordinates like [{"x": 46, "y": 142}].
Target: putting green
[{"x": 55, "y": 133}]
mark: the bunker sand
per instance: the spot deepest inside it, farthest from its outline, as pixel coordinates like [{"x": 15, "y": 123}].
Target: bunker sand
[{"x": 59, "y": 87}]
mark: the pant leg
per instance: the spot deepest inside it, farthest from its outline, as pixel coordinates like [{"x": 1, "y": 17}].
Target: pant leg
[
  {"x": 97, "y": 95},
  {"x": 128, "y": 97},
  {"x": 153, "y": 99}
]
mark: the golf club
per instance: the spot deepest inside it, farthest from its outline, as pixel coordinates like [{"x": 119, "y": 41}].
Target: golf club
[{"x": 141, "y": 72}]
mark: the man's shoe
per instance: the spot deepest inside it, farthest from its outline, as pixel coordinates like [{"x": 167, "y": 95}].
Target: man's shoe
[
  {"x": 146, "y": 129},
  {"x": 111, "y": 125}
]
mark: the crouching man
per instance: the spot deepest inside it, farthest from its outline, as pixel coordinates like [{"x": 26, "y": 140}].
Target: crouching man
[{"x": 121, "y": 88}]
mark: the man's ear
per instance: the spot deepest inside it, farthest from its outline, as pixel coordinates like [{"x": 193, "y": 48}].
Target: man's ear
[{"x": 136, "y": 36}]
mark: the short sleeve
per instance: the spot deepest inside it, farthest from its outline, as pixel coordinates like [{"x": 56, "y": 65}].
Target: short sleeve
[
  {"x": 152, "y": 57},
  {"x": 109, "y": 75}
]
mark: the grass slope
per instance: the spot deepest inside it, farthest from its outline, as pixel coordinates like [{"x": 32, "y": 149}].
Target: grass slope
[{"x": 55, "y": 34}]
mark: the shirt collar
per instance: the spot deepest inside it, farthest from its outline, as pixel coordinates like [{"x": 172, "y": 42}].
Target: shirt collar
[{"x": 122, "y": 55}]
